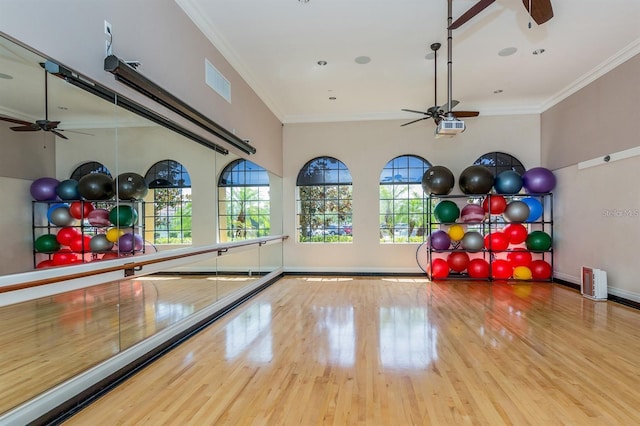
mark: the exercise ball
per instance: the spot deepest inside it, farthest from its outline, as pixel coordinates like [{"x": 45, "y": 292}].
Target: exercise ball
[
  {"x": 47, "y": 243},
  {"x": 59, "y": 215},
  {"x": 516, "y": 211},
  {"x": 110, "y": 255},
  {"x": 68, "y": 190},
  {"x": 501, "y": 269},
  {"x": 96, "y": 186},
  {"x": 538, "y": 241},
  {"x": 540, "y": 270},
  {"x": 446, "y": 211},
  {"x": 128, "y": 243},
  {"x": 522, "y": 273},
  {"x": 496, "y": 241},
  {"x": 64, "y": 257},
  {"x": 508, "y": 182},
  {"x": 476, "y": 180},
  {"x": 131, "y": 186},
  {"x": 538, "y": 180},
  {"x": 494, "y": 204},
  {"x": 80, "y": 244},
  {"x": 516, "y": 232},
  {"x": 114, "y": 234},
  {"x": 438, "y": 180},
  {"x": 472, "y": 241},
  {"x": 456, "y": 232},
  {"x": 438, "y": 269},
  {"x": 478, "y": 268},
  {"x": 44, "y": 189},
  {"x": 535, "y": 208},
  {"x": 439, "y": 240},
  {"x": 123, "y": 216},
  {"x": 458, "y": 261},
  {"x": 100, "y": 244},
  {"x": 80, "y": 209},
  {"x": 519, "y": 257},
  {"x": 472, "y": 213},
  {"x": 99, "y": 218},
  {"x": 67, "y": 234},
  {"x": 47, "y": 263}
]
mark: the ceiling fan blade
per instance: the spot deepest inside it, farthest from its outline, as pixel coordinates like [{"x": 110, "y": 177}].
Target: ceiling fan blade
[
  {"x": 60, "y": 135},
  {"x": 48, "y": 125},
  {"x": 14, "y": 120},
  {"x": 417, "y": 112},
  {"x": 473, "y": 11},
  {"x": 541, "y": 10},
  {"x": 445, "y": 107},
  {"x": 414, "y": 121},
  {"x": 30, "y": 128},
  {"x": 465, "y": 114}
]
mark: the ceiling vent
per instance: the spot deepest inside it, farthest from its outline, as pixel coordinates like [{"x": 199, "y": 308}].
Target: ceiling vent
[{"x": 217, "y": 81}]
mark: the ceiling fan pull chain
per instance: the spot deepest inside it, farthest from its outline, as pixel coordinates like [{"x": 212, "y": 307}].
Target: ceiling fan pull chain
[{"x": 530, "y": 14}]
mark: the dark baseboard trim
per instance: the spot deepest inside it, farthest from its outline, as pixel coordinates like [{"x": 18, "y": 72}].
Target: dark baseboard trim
[
  {"x": 567, "y": 283},
  {"x": 610, "y": 297},
  {"x": 78, "y": 402},
  {"x": 356, "y": 274}
]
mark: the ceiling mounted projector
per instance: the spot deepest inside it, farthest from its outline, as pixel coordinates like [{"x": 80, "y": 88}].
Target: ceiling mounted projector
[{"x": 449, "y": 127}]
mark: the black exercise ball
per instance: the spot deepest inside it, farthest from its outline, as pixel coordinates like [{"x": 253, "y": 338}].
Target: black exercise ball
[
  {"x": 476, "y": 180},
  {"x": 68, "y": 190},
  {"x": 438, "y": 180},
  {"x": 131, "y": 186},
  {"x": 96, "y": 186}
]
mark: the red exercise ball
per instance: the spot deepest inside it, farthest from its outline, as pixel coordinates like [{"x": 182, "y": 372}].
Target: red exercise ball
[
  {"x": 458, "y": 261},
  {"x": 516, "y": 232},
  {"x": 439, "y": 268},
  {"x": 496, "y": 241},
  {"x": 67, "y": 234},
  {"x": 64, "y": 257},
  {"x": 48, "y": 263},
  {"x": 494, "y": 204},
  {"x": 80, "y": 209},
  {"x": 478, "y": 268},
  {"x": 110, "y": 255},
  {"x": 81, "y": 244},
  {"x": 540, "y": 270},
  {"x": 519, "y": 257},
  {"x": 501, "y": 269}
]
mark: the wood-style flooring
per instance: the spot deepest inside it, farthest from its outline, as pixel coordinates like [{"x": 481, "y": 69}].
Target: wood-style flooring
[{"x": 376, "y": 351}]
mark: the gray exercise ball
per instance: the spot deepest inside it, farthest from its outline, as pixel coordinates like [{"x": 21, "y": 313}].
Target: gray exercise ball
[
  {"x": 517, "y": 211},
  {"x": 472, "y": 241},
  {"x": 99, "y": 244}
]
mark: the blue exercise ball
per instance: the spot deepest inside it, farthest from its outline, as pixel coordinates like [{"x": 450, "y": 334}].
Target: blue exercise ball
[
  {"x": 535, "y": 208},
  {"x": 508, "y": 182},
  {"x": 68, "y": 190}
]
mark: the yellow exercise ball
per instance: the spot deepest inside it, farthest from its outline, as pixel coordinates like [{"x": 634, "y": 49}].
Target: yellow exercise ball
[
  {"x": 522, "y": 273},
  {"x": 114, "y": 234},
  {"x": 456, "y": 232}
]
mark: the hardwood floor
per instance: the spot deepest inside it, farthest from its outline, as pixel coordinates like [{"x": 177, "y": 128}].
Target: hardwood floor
[{"x": 378, "y": 351}]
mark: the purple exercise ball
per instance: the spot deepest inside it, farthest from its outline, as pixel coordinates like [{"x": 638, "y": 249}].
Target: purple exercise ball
[
  {"x": 129, "y": 243},
  {"x": 440, "y": 240},
  {"x": 44, "y": 189},
  {"x": 538, "y": 180}
]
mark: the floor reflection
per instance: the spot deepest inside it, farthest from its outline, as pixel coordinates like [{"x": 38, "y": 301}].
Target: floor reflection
[
  {"x": 407, "y": 339},
  {"x": 250, "y": 333},
  {"x": 335, "y": 334}
]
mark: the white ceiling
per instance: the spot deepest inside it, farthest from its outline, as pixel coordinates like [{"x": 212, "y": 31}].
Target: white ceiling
[{"x": 275, "y": 45}]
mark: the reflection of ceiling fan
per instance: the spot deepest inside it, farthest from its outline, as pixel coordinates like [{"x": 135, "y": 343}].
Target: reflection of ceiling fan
[
  {"x": 540, "y": 10},
  {"x": 46, "y": 125}
]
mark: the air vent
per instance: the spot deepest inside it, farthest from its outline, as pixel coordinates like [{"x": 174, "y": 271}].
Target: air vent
[{"x": 217, "y": 81}]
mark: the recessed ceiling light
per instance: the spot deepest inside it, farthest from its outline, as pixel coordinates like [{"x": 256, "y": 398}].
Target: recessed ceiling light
[
  {"x": 332, "y": 98},
  {"x": 508, "y": 51},
  {"x": 322, "y": 63},
  {"x": 303, "y": 1},
  {"x": 363, "y": 60},
  {"x": 538, "y": 51},
  {"x": 6, "y": 76},
  {"x": 63, "y": 108},
  {"x": 497, "y": 91}
]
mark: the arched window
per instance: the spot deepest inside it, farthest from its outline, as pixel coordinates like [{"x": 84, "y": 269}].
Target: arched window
[
  {"x": 243, "y": 201},
  {"x": 88, "y": 168},
  {"x": 168, "y": 204},
  {"x": 403, "y": 204},
  {"x": 324, "y": 201},
  {"x": 499, "y": 161}
]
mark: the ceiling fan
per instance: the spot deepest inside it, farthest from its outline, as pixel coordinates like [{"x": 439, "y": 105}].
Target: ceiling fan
[
  {"x": 440, "y": 112},
  {"x": 45, "y": 124},
  {"x": 540, "y": 10}
]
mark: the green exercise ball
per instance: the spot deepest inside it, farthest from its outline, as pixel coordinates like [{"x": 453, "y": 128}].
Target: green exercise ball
[
  {"x": 538, "y": 241},
  {"x": 47, "y": 243},
  {"x": 123, "y": 216},
  {"x": 446, "y": 211}
]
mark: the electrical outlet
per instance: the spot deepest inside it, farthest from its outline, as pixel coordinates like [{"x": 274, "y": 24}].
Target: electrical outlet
[{"x": 108, "y": 38}]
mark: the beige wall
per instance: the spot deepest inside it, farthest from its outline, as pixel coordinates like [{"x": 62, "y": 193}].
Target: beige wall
[{"x": 365, "y": 147}]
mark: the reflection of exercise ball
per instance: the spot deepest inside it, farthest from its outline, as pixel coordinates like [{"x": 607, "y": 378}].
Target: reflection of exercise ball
[
  {"x": 123, "y": 216},
  {"x": 80, "y": 244},
  {"x": 472, "y": 213},
  {"x": 114, "y": 234},
  {"x": 473, "y": 241},
  {"x": 535, "y": 208},
  {"x": 516, "y": 211},
  {"x": 131, "y": 186},
  {"x": 64, "y": 257},
  {"x": 99, "y": 218},
  {"x": 67, "y": 234},
  {"x": 458, "y": 261},
  {"x": 100, "y": 244},
  {"x": 59, "y": 215},
  {"x": 516, "y": 232},
  {"x": 456, "y": 232},
  {"x": 538, "y": 180},
  {"x": 80, "y": 209},
  {"x": 44, "y": 189},
  {"x": 129, "y": 243},
  {"x": 110, "y": 255},
  {"x": 494, "y": 204},
  {"x": 538, "y": 241},
  {"x": 540, "y": 270},
  {"x": 522, "y": 273},
  {"x": 478, "y": 268},
  {"x": 47, "y": 243},
  {"x": 438, "y": 269},
  {"x": 508, "y": 182},
  {"x": 501, "y": 269},
  {"x": 438, "y": 180},
  {"x": 68, "y": 190},
  {"x": 439, "y": 240},
  {"x": 519, "y": 257},
  {"x": 446, "y": 211},
  {"x": 47, "y": 263},
  {"x": 476, "y": 180},
  {"x": 96, "y": 186}
]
